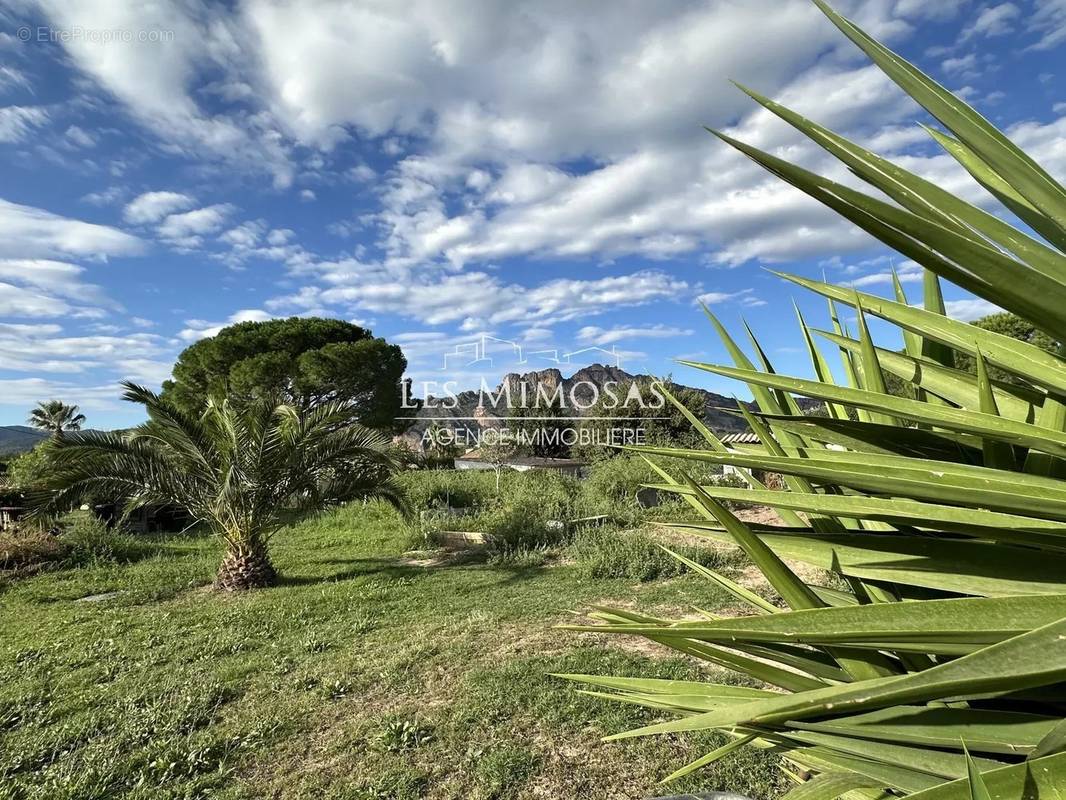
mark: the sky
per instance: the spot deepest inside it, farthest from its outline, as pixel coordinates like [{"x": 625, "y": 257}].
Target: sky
[{"x": 518, "y": 181}]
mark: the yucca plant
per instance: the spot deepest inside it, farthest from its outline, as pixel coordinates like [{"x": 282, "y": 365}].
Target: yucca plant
[
  {"x": 942, "y": 512},
  {"x": 241, "y": 469}
]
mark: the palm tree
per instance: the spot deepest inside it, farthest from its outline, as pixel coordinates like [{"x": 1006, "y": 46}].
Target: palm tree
[
  {"x": 241, "y": 469},
  {"x": 55, "y": 416}
]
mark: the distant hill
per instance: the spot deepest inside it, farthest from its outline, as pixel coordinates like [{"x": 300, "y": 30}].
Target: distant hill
[{"x": 19, "y": 438}]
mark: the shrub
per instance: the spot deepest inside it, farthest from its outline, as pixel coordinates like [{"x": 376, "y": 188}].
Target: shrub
[
  {"x": 952, "y": 500},
  {"x": 605, "y": 553},
  {"x": 88, "y": 540}
]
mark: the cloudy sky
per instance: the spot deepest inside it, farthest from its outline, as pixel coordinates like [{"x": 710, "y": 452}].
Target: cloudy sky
[{"x": 442, "y": 169}]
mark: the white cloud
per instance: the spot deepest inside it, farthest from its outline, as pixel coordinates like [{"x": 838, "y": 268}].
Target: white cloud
[
  {"x": 744, "y": 297},
  {"x": 244, "y": 236},
  {"x": 16, "y": 122},
  {"x": 605, "y": 336},
  {"x": 79, "y": 137},
  {"x": 970, "y": 309},
  {"x": 58, "y": 278},
  {"x": 197, "y": 329},
  {"x": 105, "y": 197},
  {"x": 452, "y": 297},
  {"x": 1049, "y": 22},
  {"x": 153, "y": 206},
  {"x": 306, "y": 195},
  {"x": 186, "y": 230},
  {"x": 26, "y": 392},
  {"x": 995, "y": 20},
  {"x": 10, "y": 77},
  {"x": 28, "y": 232},
  {"x": 155, "y": 78},
  {"x": 17, "y": 301}
]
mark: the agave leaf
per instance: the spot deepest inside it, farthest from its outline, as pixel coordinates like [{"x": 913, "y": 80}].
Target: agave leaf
[
  {"x": 922, "y": 479},
  {"x": 997, "y": 454},
  {"x": 948, "y": 766},
  {"x": 790, "y": 517},
  {"x": 1042, "y": 778},
  {"x": 1052, "y": 415},
  {"x": 956, "y": 386},
  {"x": 912, "y": 513},
  {"x": 966, "y": 621},
  {"x": 1032, "y": 659},
  {"x": 667, "y": 687},
  {"x": 963, "y": 566},
  {"x": 912, "y": 342},
  {"x": 1054, "y": 741},
  {"x": 921, "y": 196},
  {"x": 795, "y": 483},
  {"x": 868, "y": 437},
  {"x": 784, "y": 581},
  {"x": 971, "y": 264},
  {"x": 821, "y": 366},
  {"x": 1003, "y": 732},
  {"x": 1002, "y": 190},
  {"x": 793, "y": 591},
  {"x": 873, "y": 380},
  {"x": 895, "y": 776},
  {"x": 934, "y": 303},
  {"x": 1023, "y": 174},
  {"x": 710, "y": 758},
  {"x": 978, "y": 790},
  {"x": 1001, "y": 429},
  {"x": 830, "y": 785},
  {"x": 735, "y": 589},
  {"x": 1019, "y": 358}
]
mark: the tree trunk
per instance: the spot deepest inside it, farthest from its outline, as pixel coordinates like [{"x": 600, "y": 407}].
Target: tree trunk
[{"x": 245, "y": 567}]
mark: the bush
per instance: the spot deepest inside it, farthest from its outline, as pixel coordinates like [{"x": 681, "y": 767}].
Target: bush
[
  {"x": 436, "y": 489},
  {"x": 603, "y": 553},
  {"x": 88, "y": 540}
]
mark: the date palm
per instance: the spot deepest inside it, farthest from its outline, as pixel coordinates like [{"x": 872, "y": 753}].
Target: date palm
[
  {"x": 240, "y": 469},
  {"x": 56, "y": 417}
]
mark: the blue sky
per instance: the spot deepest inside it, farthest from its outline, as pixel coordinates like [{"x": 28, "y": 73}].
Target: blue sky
[{"x": 439, "y": 170}]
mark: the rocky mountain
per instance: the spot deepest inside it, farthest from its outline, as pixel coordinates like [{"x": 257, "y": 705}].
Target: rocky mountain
[{"x": 472, "y": 410}]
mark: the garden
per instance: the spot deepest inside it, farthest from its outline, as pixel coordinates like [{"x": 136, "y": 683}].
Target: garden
[{"x": 872, "y": 605}]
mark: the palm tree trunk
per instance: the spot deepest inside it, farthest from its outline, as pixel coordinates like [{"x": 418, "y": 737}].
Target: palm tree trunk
[{"x": 246, "y": 566}]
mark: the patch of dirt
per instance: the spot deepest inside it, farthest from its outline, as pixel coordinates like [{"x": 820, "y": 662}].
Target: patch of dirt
[
  {"x": 760, "y": 515},
  {"x": 429, "y": 559}
]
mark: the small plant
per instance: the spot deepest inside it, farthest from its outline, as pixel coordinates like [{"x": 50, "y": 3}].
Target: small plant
[
  {"x": 634, "y": 555},
  {"x": 399, "y": 734}
]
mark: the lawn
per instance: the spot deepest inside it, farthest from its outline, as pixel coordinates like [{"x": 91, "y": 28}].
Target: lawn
[{"x": 364, "y": 675}]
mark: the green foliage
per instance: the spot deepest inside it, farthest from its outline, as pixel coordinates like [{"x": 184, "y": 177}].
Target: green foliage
[
  {"x": 1006, "y": 324},
  {"x": 638, "y": 411},
  {"x": 28, "y": 470},
  {"x": 949, "y": 496},
  {"x": 634, "y": 555},
  {"x": 56, "y": 417},
  {"x": 304, "y": 361},
  {"x": 539, "y": 424},
  {"x": 241, "y": 469},
  {"x": 88, "y": 540},
  {"x": 400, "y": 733}
]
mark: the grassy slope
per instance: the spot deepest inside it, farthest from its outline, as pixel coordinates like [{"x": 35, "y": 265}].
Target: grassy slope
[{"x": 170, "y": 690}]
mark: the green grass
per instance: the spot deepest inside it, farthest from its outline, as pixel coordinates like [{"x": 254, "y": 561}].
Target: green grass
[{"x": 360, "y": 676}]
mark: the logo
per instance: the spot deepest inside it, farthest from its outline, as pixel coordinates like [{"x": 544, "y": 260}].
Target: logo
[{"x": 550, "y": 401}]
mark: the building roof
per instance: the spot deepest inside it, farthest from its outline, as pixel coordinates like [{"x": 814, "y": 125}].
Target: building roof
[
  {"x": 525, "y": 461},
  {"x": 746, "y": 437}
]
